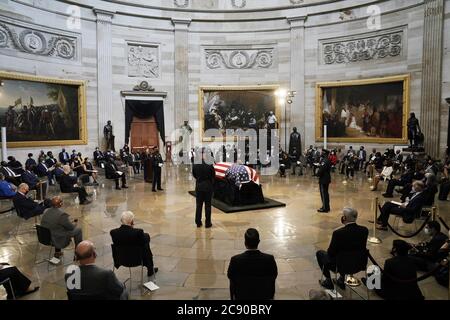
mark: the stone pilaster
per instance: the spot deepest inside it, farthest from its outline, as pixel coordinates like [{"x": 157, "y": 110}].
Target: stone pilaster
[
  {"x": 432, "y": 75},
  {"x": 181, "y": 85},
  {"x": 104, "y": 70},
  {"x": 297, "y": 112}
]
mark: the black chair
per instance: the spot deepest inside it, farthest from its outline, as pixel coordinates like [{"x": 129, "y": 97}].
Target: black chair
[
  {"x": 350, "y": 263},
  {"x": 7, "y": 282},
  {"x": 129, "y": 257},
  {"x": 252, "y": 288},
  {"x": 44, "y": 238}
]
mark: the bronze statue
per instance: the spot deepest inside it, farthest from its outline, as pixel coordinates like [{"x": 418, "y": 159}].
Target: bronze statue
[{"x": 109, "y": 137}]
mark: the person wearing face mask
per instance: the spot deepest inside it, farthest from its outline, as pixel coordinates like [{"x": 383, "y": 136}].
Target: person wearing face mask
[
  {"x": 26, "y": 207},
  {"x": 407, "y": 210},
  {"x": 426, "y": 255},
  {"x": 399, "y": 278},
  {"x": 350, "y": 238},
  {"x": 324, "y": 174}
]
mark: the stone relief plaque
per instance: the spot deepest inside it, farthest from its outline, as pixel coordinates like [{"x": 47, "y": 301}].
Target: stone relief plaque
[
  {"x": 143, "y": 60},
  {"x": 239, "y": 58},
  {"x": 40, "y": 42},
  {"x": 362, "y": 48}
]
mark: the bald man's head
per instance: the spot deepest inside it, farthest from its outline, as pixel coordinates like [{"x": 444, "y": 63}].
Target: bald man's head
[
  {"x": 57, "y": 202},
  {"x": 85, "y": 252}
]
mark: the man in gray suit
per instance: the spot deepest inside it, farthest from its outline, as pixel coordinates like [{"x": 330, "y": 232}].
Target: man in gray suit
[
  {"x": 94, "y": 281},
  {"x": 60, "y": 226}
]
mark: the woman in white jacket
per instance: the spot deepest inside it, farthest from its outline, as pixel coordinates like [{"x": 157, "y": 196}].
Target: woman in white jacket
[{"x": 386, "y": 174}]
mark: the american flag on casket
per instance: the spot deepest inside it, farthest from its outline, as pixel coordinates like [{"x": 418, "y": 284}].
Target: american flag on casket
[{"x": 237, "y": 173}]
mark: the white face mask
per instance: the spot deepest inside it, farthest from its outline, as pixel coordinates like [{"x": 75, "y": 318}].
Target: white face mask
[{"x": 427, "y": 231}]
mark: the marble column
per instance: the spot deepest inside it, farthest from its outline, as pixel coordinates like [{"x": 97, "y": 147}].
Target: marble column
[
  {"x": 181, "y": 84},
  {"x": 432, "y": 75},
  {"x": 104, "y": 71},
  {"x": 297, "y": 112}
]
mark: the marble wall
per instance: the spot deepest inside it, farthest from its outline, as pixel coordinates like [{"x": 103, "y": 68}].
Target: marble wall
[{"x": 152, "y": 43}]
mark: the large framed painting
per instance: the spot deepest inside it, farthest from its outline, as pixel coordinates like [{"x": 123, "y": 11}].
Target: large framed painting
[
  {"x": 38, "y": 111},
  {"x": 367, "y": 111},
  {"x": 238, "y": 107}
]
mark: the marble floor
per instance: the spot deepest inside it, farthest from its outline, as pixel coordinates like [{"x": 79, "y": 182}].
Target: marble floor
[{"x": 193, "y": 262}]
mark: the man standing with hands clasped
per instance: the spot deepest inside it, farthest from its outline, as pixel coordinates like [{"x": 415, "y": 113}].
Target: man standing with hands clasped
[
  {"x": 204, "y": 174},
  {"x": 157, "y": 164},
  {"x": 324, "y": 175}
]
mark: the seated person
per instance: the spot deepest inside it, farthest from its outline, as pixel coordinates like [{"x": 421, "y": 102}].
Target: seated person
[
  {"x": 43, "y": 170},
  {"x": 77, "y": 165},
  {"x": 58, "y": 172},
  {"x": 431, "y": 189},
  {"x": 405, "y": 178},
  {"x": 407, "y": 210},
  {"x": 252, "y": 274},
  {"x": 95, "y": 281},
  {"x": 399, "y": 279},
  {"x": 26, "y": 207},
  {"x": 127, "y": 235},
  {"x": 98, "y": 156},
  {"x": 375, "y": 165},
  {"x": 19, "y": 282},
  {"x": 50, "y": 161},
  {"x": 60, "y": 226},
  {"x": 384, "y": 175},
  {"x": 68, "y": 184},
  {"x": 9, "y": 174},
  {"x": 426, "y": 255},
  {"x": 112, "y": 172},
  {"x": 30, "y": 161},
  {"x": 63, "y": 157},
  {"x": 350, "y": 238},
  {"x": 15, "y": 165},
  {"x": 88, "y": 169},
  {"x": 33, "y": 182},
  {"x": 7, "y": 190}
]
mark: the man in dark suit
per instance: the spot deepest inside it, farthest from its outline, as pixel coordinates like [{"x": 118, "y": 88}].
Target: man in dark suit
[
  {"x": 252, "y": 274},
  {"x": 26, "y": 207},
  {"x": 9, "y": 174},
  {"x": 405, "y": 179},
  {"x": 33, "y": 182},
  {"x": 399, "y": 279},
  {"x": 68, "y": 184},
  {"x": 126, "y": 235},
  {"x": 15, "y": 165},
  {"x": 44, "y": 170},
  {"x": 19, "y": 282},
  {"x": 95, "y": 282},
  {"x": 30, "y": 161},
  {"x": 324, "y": 174},
  {"x": 362, "y": 158},
  {"x": 204, "y": 175},
  {"x": 113, "y": 173},
  {"x": 98, "y": 156},
  {"x": 157, "y": 164},
  {"x": 350, "y": 238},
  {"x": 426, "y": 255},
  {"x": 64, "y": 156},
  {"x": 407, "y": 210}
]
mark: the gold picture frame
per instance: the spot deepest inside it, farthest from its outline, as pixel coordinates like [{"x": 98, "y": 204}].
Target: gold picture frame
[
  {"x": 201, "y": 107},
  {"x": 80, "y": 85},
  {"x": 320, "y": 88}
]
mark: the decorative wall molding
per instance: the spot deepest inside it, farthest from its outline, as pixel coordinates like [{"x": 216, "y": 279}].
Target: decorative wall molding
[
  {"x": 296, "y": 1},
  {"x": 143, "y": 60},
  {"x": 364, "y": 47},
  {"x": 181, "y": 3},
  {"x": 239, "y": 58},
  {"x": 38, "y": 41},
  {"x": 238, "y": 4}
]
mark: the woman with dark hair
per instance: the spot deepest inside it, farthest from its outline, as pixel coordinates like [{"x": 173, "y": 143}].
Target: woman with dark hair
[{"x": 88, "y": 169}]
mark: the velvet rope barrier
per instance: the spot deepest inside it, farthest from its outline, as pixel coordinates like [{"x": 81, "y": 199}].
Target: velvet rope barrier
[
  {"x": 421, "y": 278},
  {"x": 444, "y": 224}
]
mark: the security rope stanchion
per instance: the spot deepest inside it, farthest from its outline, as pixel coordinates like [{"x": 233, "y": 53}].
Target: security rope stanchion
[
  {"x": 373, "y": 239},
  {"x": 433, "y": 214}
]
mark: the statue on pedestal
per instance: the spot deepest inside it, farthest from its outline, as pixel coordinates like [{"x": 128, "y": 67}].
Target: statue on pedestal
[
  {"x": 109, "y": 137},
  {"x": 295, "y": 142},
  {"x": 415, "y": 135},
  {"x": 185, "y": 137}
]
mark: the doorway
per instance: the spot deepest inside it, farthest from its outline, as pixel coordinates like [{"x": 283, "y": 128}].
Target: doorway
[
  {"x": 144, "y": 133},
  {"x": 144, "y": 123}
]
